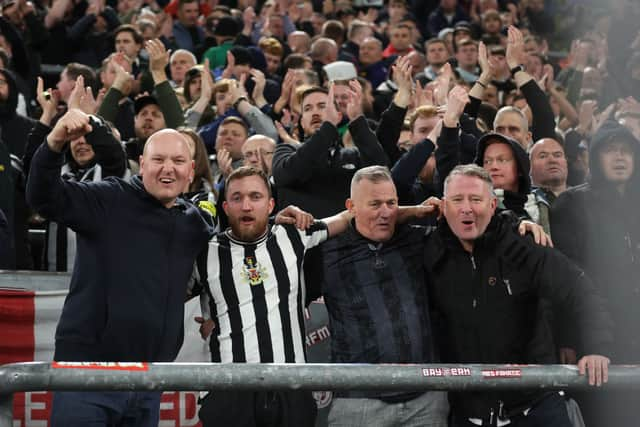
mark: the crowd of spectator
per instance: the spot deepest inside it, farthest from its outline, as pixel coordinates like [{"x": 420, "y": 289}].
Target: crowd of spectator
[{"x": 544, "y": 95}]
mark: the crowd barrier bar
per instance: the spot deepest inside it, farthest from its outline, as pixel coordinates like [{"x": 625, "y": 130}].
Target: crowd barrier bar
[{"x": 41, "y": 376}]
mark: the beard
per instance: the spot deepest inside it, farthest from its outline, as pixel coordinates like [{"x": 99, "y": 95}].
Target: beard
[{"x": 248, "y": 233}]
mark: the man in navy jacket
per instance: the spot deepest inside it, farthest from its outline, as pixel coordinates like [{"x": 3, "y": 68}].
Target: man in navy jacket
[{"x": 137, "y": 242}]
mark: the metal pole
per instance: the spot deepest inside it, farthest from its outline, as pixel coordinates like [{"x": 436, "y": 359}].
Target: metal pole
[{"x": 246, "y": 376}]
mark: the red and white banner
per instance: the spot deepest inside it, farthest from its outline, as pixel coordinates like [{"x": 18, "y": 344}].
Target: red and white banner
[{"x": 27, "y": 328}]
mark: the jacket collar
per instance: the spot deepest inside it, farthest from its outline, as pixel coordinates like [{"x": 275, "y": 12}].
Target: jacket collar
[{"x": 136, "y": 183}]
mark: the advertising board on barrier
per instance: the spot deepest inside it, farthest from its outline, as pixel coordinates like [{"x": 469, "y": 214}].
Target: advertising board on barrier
[{"x": 27, "y": 328}]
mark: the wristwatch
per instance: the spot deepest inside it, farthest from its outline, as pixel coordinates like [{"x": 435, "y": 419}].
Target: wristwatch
[
  {"x": 515, "y": 69},
  {"x": 238, "y": 101}
]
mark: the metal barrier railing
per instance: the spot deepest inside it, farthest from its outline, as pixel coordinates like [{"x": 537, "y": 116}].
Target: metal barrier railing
[{"x": 44, "y": 376}]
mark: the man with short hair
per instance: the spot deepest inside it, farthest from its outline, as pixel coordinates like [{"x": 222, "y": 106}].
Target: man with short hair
[
  {"x": 231, "y": 135},
  {"x": 299, "y": 42},
  {"x": 129, "y": 271},
  {"x": 315, "y": 175},
  {"x": 187, "y": 34},
  {"x": 466, "y": 53},
  {"x": 256, "y": 301},
  {"x": 371, "y": 59},
  {"x": 68, "y": 78},
  {"x": 486, "y": 286},
  {"x": 257, "y": 152},
  {"x": 437, "y": 56},
  {"x": 129, "y": 41},
  {"x": 511, "y": 122},
  {"x": 400, "y": 41},
  {"x": 549, "y": 167},
  {"x": 373, "y": 283},
  {"x": 549, "y": 171},
  {"x": 180, "y": 62},
  {"x": 324, "y": 51},
  {"x": 357, "y": 32}
]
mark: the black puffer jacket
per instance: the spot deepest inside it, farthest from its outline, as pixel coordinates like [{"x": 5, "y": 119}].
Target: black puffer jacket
[
  {"x": 599, "y": 228},
  {"x": 486, "y": 307}
]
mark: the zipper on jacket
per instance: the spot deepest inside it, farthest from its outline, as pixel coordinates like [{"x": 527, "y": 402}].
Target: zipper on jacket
[{"x": 473, "y": 274}]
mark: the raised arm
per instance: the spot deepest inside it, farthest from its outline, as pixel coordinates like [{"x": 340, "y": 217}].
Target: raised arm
[
  {"x": 74, "y": 204},
  {"x": 167, "y": 99},
  {"x": 543, "y": 125},
  {"x": 390, "y": 125},
  {"x": 371, "y": 152}
]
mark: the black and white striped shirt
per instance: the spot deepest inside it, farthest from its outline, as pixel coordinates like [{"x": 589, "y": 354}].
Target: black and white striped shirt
[{"x": 257, "y": 295}]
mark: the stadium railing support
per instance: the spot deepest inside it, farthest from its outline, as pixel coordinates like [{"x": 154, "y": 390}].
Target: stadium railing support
[{"x": 130, "y": 376}]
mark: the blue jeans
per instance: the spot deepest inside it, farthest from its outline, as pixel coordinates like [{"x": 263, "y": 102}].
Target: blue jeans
[
  {"x": 430, "y": 409},
  {"x": 105, "y": 408}
]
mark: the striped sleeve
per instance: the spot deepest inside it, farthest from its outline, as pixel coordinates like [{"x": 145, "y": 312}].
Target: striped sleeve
[{"x": 314, "y": 235}]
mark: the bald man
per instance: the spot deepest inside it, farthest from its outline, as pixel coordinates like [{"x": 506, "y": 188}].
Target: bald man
[
  {"x": 137, "y": 242},
  {"x": 257, "y": 152},
  {"x": 299, "y": 41}
]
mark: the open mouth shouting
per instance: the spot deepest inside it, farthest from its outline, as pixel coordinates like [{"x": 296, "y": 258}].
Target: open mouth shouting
[{"x": 247, "y": 220}]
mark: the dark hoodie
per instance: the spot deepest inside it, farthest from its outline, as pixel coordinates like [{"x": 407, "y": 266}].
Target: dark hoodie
[
  {"x": 15, "y": 128},
  {"x": 514, "y": 202},
  {"x": 599, "y": 228}
]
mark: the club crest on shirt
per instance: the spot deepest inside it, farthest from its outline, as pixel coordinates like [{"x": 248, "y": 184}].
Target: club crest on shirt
[{"x": 252, "y": 272}]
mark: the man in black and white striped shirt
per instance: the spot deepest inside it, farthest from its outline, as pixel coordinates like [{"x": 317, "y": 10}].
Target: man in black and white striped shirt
[{"x": 257, "y": 299}]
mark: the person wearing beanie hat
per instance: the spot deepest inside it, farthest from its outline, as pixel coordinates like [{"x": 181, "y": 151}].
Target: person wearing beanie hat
[
  {"x": 597, "y": 225},
  {"x": 225, "y": 33}
]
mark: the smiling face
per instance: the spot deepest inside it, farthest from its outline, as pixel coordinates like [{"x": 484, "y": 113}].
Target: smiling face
[
  {"x": 166, "y": 166},
  {"x": 248, "y": 207},
  {"x": 468, "y": 208},
  {"x": 374, "y": 206},
  {"x": 617, "y": 161},
  {"x": 81, "y": 152}
]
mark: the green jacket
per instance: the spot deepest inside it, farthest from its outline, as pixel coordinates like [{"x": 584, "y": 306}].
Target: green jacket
[{"x": 163, "y": 92}]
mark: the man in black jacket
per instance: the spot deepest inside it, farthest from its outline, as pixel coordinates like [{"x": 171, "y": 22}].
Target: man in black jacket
[
  {"x": 316, "y": 175},
  {"x": 606, "y": 243},
  {"x": 137, "y": 243},
  {"x": 486, "y": 284}
]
